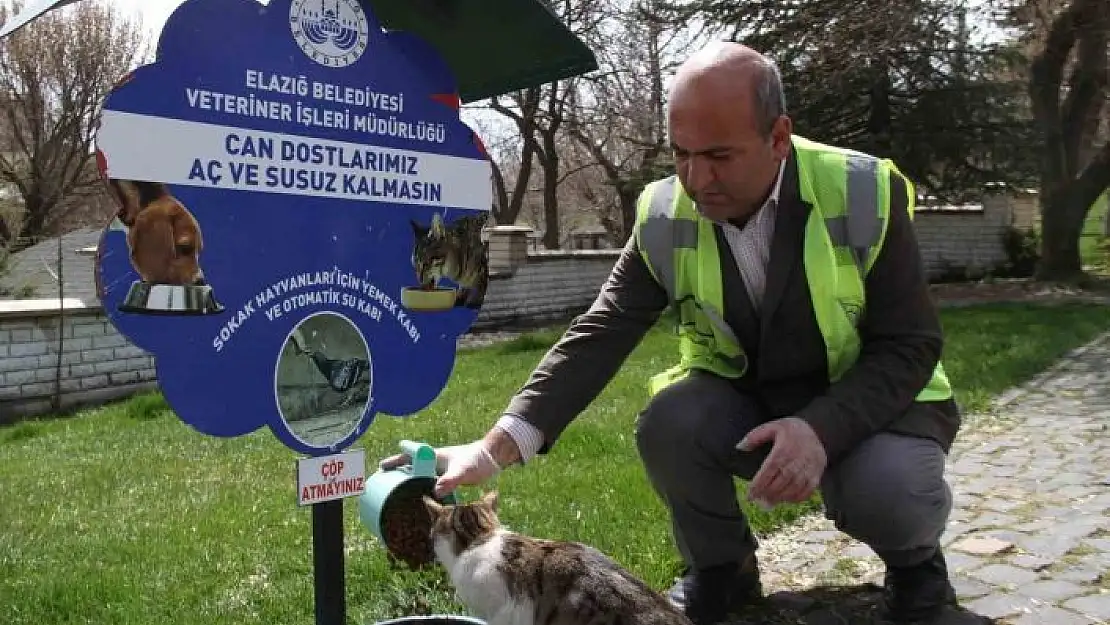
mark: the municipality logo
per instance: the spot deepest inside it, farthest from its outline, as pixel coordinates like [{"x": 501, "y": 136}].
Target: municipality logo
[{"x": 334, "y": 33}]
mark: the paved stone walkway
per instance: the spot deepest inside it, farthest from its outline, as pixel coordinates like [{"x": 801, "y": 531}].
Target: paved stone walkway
[{"x": 1029, "y": 540}]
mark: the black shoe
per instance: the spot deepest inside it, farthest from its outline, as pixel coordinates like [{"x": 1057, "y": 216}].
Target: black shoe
[
  {"x": 923, "y": 595},
  {"x": 709, "y": 596}
]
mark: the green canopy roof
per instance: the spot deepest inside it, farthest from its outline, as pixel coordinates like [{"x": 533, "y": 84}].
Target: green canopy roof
[{"x": 493, "y": 46}]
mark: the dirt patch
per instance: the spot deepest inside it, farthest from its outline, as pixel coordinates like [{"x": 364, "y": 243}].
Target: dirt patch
[{"x": 830, "y": 605}]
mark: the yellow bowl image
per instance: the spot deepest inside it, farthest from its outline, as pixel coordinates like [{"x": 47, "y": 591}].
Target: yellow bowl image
[{"x": 416, "y": 298}]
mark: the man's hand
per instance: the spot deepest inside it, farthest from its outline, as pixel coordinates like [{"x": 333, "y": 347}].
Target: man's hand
[
  {"x": 793, "y": 469},
  {"x": 466, "y": 465}
]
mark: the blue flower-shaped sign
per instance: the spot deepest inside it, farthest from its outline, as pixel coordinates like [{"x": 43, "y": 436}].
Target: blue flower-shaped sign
[{"x": 298, "y": 240}]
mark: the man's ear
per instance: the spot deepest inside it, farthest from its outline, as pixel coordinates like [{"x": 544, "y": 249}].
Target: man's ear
[{"x": 781, "y": 132}]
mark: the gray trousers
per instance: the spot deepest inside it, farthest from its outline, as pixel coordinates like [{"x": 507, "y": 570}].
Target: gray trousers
[{"x": 889, "y": 493}]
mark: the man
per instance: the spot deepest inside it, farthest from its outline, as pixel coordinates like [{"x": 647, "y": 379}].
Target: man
[{"x": 789, "y": 264}]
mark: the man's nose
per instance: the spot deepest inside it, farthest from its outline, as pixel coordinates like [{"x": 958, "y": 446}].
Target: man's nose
[{"x": 699, "y": 174}]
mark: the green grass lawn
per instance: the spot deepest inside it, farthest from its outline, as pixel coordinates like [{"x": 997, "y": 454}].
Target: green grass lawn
[
  {"x": 124, "y": 515},
  {"x": 1094, "y": 248}
]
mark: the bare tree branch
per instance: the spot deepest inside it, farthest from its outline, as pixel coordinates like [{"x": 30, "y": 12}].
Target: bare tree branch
[{"x": 53, "y": 76}]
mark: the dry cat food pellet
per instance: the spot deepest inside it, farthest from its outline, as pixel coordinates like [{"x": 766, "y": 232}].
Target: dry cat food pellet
[{"x": 406, "y": 524}]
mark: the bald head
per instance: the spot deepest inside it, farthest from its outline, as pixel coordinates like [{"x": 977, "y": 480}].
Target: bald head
[
  {"x": 728, "y": 128},
  {"x": 723, "y": 72}
]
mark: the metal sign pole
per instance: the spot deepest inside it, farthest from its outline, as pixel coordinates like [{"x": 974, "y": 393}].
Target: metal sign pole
[{"x": 327, "y": 562}]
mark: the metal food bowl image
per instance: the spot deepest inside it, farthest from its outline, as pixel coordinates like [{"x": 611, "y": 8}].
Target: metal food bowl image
[
  {"x": 170, "y": 299},
  {"x": 428, "y": 299},
  {"x": 392, "y": 506}
]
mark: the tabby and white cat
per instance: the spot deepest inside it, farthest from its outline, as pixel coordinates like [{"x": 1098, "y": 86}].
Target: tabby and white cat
[
  {"x": 456, "y": 252},
  {"x": 507, "y": 578}
]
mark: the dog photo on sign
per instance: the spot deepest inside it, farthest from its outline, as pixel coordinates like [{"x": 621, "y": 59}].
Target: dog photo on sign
[{"x": 165, "y": 241}]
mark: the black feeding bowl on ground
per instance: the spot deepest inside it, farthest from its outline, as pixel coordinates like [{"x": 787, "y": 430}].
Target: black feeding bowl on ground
[{"x": 433, "y": 619}]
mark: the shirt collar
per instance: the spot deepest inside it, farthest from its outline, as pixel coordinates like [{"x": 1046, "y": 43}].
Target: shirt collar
[{"x": 773, "y": 199}]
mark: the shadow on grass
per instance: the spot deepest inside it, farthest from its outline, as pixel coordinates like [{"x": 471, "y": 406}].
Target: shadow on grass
[
  {"x": 21, "y": 431},
  {"x": 146, "y": 406},
  {"x": 538, "y": 341},
  {"x": 819, "y": 605},
  {"x": 830, "y": 605}
]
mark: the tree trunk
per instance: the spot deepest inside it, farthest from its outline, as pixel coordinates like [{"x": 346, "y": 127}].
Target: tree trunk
[
  {"x": 1067, "y": 123},
  {"x": 1064, "y": 212},
  {"x": 1060, "y": 232},
  {"x": 523, "y": 177},
  {"x": 551, "y": 234},
  {"x": 501, "y": 195},
  {"x": 509, "y": 205},
  {"x": 35, "y": 209},
  {"x": 550, "y": 160}
]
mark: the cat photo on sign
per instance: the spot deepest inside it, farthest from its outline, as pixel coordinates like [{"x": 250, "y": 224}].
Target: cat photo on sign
[
  {"x": 454, "y": 251},
  {"x": 508, "y": 578}
]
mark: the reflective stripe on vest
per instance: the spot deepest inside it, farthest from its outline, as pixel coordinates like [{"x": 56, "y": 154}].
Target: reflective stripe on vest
[
  {"x": 860, "y": 229},
  {"x": 661, "y": 235}
]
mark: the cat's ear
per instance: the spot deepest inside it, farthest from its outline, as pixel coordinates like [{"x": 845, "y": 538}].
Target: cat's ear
[
  {"x": 437, "y": 224},
  {"x": 491, "y": 499},
  {"x": 434, "y": 507},
  {"x": 417, "y": 229}
]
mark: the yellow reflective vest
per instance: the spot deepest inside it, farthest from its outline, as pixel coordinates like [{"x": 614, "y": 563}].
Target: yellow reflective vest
[{"x": 849, "y": 192}]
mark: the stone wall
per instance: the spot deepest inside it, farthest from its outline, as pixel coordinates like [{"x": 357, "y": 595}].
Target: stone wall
[
  {"x": 527, "y": 287},
  {"x": 97, "y": 363},
  {"x": 969, "y": 238}
]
